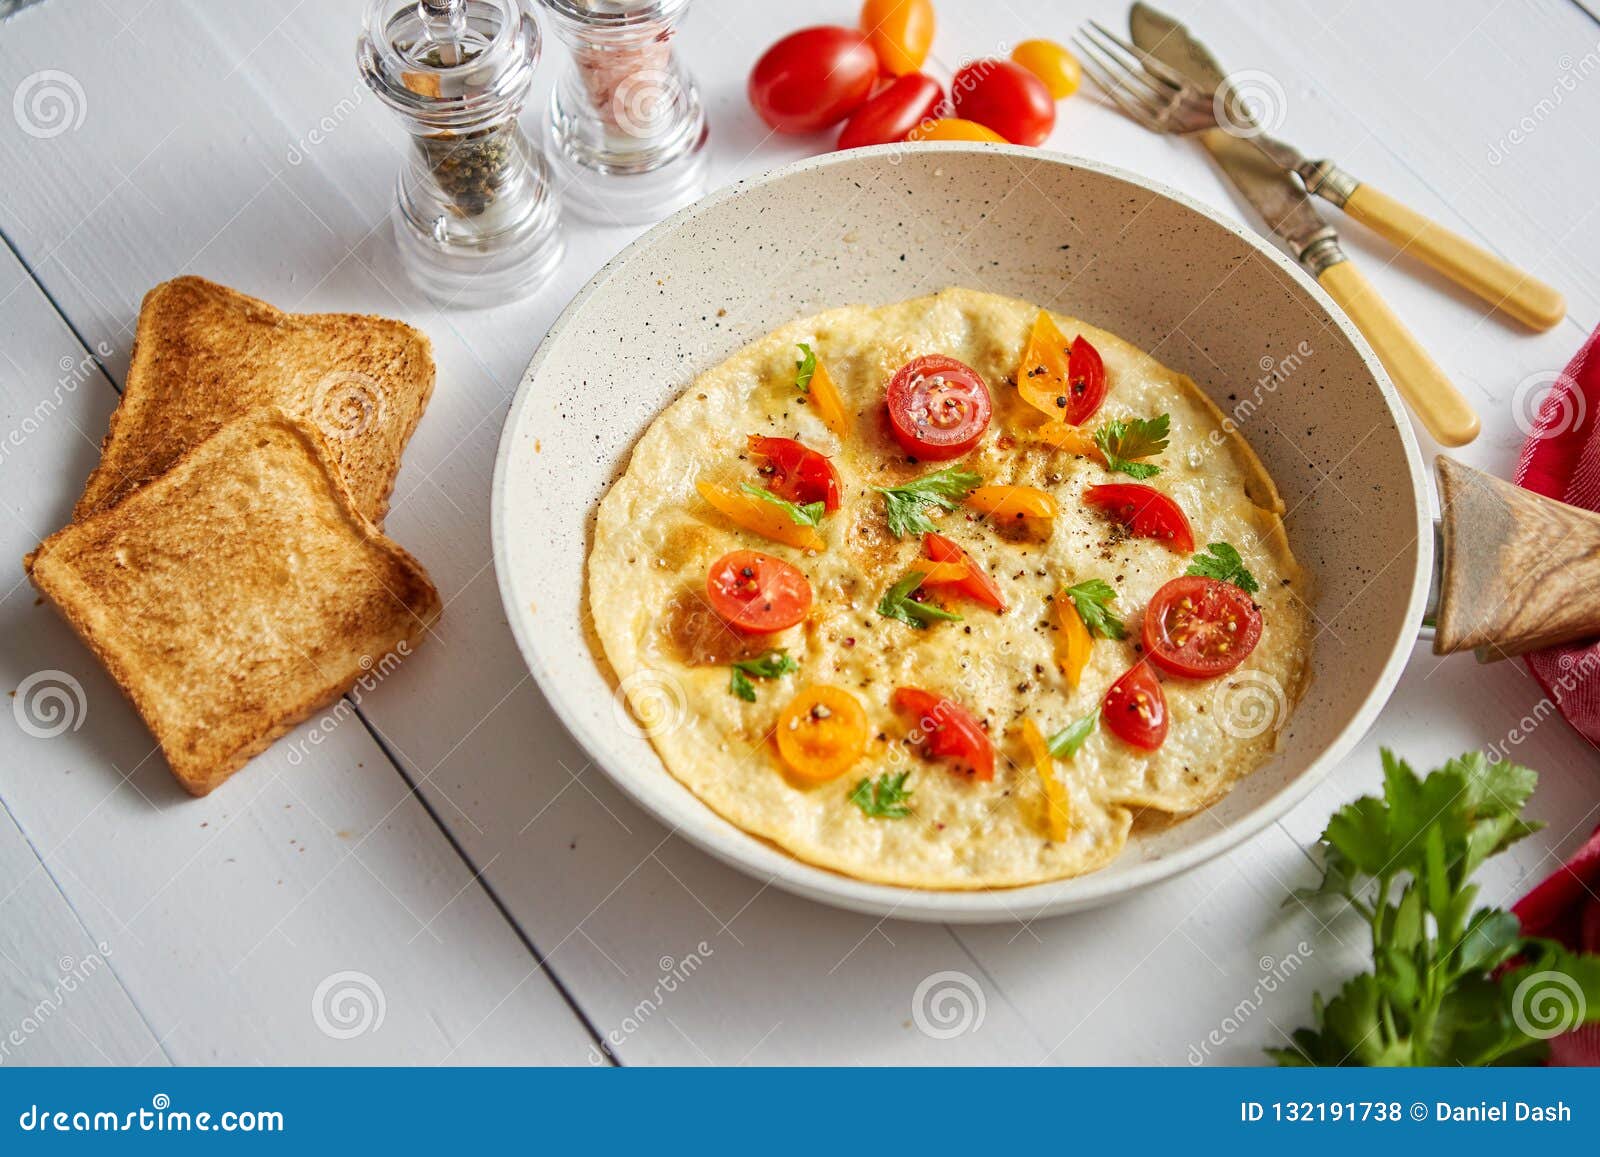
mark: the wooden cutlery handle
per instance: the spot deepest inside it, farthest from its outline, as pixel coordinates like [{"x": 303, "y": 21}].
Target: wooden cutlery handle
[
  {"x": 1518, "y": 571},
  {"x": 1435, "y": 401},
  {"x": 1470, "y": 266}
]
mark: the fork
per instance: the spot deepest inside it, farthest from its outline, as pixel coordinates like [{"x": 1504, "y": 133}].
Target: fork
[{"x": 1164, "y": 100}]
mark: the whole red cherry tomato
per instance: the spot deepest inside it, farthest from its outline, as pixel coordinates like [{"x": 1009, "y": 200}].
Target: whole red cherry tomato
[
  {"x": 1135, "y": 709},
  {"x": 813, "y": 78},
  {"x": 797, "y": 472},
  {"x": 1198, "y": 627},
  {"x": 756, "y": 593},
  {"x": 948, "y": 730},
  {"x": 938, "y": 407},
  {"x": 1007, "y": 98},
  {"x": 891, "y": 115}
]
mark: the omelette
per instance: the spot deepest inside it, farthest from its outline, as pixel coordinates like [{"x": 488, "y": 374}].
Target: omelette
[{"x": 949, "y": 593}]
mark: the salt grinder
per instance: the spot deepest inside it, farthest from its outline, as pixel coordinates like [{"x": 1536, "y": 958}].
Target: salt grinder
[
  {"x": 475, "y": 216},
  {"x": 626, "y": 133}
]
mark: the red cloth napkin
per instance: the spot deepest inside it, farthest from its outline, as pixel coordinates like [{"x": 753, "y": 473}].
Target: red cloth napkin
[
  {"x": 1566, "y": 907},
  {"x": 1561, "y": 459}
]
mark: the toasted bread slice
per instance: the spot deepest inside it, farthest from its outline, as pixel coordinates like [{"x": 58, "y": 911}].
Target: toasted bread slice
[
  {"x": 204, "y": 354},
  {"x": 237, "y": 594}
]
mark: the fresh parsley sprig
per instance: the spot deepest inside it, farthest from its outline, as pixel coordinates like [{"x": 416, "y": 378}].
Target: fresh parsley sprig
[
  {"x": 1064, "y": 744},
  {"x": 898, "y": 604},
  {"x": 770, "y": 664},
  {"x": 1222, "y": 562},
  {"x": 1125, "y": 440},
  {"x": 1451, "y": 983},
  {"x": 884, "y": 798},
  {"x": 1090, "y": 598},
  {"x": 945, "y": 489},
  {"x": 808, "y": 515},
  {"x": 805, "y": 369}
]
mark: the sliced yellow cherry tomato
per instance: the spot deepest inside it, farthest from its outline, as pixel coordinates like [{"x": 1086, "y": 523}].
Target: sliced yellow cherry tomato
[
  {"x": 1057, "y": 804},
  {"x": 1042, "y": 373},
  {"x": 821, "y": 733},
  {"x": 1076, "y": 641},
  {"x": 829, "y": 405},
  {"x": 1052, "y": 64},
  {"x": 759, "y": 517},
  {"x": 900, "y": 32},
  {"x": 1014, "y": 502},
  {"x": 1072, "y": 439},
  {"x": 941, "y": 573},
  {"x": 954, "y": 129}
]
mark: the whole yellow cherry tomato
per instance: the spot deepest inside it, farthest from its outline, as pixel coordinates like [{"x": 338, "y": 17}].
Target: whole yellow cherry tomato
[
  {"x": 955, "y": 129},
  {"x": 1052, "y": 64},
  {"x": 821, "y": 732},
  {"x": 900, "y": 32}
]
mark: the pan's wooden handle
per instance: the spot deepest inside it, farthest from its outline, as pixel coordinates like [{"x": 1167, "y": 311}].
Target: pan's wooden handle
[
  {"x": 1435, "y": 401},
  {"x": 1519, "y": 571},
  {"x": 1500, "y": 283}
]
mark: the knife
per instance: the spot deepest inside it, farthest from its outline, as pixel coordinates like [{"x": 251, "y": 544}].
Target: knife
[{"x": 1288, "y": 211}]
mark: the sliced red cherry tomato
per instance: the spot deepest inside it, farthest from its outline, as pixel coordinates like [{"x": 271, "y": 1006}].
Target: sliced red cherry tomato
[
  {"x": 1145, "y": 511},
  {"x": 756, "y": 593},
  {"x": 1135, "y": 710},
  {"x": 938, "y": 407},
  {"x": 1086, "y": 381},
  {"x": 797, "y": 472},
  {"x": 901, "y": 32},
  {"x": 947, "y": 729},
  {"x": 813, "y": 78},
  {"x": 975, "y": 584},
  {"x": 1198, "y": 627},
  {"x": 1007, "y": 98},
  {"x": 912, "y": 100}
]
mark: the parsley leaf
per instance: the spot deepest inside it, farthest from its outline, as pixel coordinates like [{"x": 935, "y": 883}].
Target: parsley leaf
[
  {"x": 1090, "y": 599},
  {"x": 1450, "y": 983},
  {"x": 943, "y": 488},
  {"x": 804, "y": 369},
  {"x": 770, "y": 664},
  {"x": 1222, "y": 562},
  {"x": 808, "y": 515},
  {"x": 897, "y": 603},
  {"x": 1064, "y": 744},
  {"x": 884, "y": 798},
  {"x": 1125, "y": 440}
]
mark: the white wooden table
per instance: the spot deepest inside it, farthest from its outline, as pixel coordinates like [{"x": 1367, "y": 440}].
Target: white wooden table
[{"x": 446, "y": 879}]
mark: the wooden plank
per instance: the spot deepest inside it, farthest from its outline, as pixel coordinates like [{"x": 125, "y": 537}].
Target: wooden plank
[
  {"x": 248, "y": 927},
  {"x": 779, "y": 980},
  {"x": 61, "y": 1002}
]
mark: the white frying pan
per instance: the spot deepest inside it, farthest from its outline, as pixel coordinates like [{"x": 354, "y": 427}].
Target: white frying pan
[{"x": 1199, "y": 292}]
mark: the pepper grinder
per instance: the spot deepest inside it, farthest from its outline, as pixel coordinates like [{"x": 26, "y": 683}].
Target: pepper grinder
[
  {"x": 475, "y": 216},
  {"x": 626, "y": 133}
]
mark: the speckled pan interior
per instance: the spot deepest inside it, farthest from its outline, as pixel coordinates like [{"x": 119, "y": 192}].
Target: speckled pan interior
[{"x": 875, "y": 226}]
